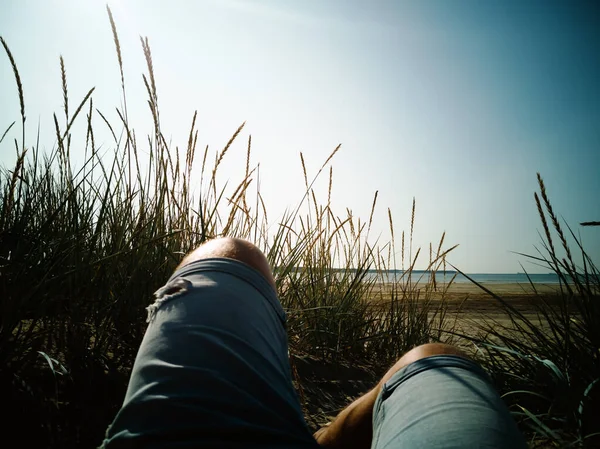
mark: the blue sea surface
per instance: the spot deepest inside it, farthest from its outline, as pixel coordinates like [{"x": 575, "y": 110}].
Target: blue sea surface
[{"x": 482, "y": 278}]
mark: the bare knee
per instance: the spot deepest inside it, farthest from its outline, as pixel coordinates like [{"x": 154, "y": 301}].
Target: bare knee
[
  {"x": 428, "y": 350},
  {"x": 421, "y": 352},
  {"x": 232, "y": 248}
]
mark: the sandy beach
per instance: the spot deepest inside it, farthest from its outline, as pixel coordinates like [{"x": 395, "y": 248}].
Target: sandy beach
[{"x": 468, "y": 298}]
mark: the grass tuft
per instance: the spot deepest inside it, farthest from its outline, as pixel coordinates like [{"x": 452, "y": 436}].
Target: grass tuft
[{"x": 544, "y": 357}]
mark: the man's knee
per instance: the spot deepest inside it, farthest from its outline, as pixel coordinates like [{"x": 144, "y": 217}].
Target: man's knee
[
  {"x": 428, "y": 350},
  {"x": 232, "y": 248},
  {"x": 421, "y": 352}
]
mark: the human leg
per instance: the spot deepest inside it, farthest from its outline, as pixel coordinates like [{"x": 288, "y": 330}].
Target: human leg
[
  {"x": 433, "y": 397},
  {"x": 213, "y": 369}
]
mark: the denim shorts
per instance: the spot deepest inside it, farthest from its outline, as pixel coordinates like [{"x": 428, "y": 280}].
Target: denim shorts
[
  {"x": 213, "y": 371},
  {"x": 443, "y": 401}
]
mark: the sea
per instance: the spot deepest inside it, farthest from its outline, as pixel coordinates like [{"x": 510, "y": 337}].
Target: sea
[{"x": 482, "y": 278}]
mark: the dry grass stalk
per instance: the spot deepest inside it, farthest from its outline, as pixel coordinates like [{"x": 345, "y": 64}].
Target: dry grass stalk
[
  {"x": 332, "y": 154},
  {"x": 224, "y": 151},
  {"x": 330, "y": 186},
  {"x": 262, "y": 205},
  {"x": 372, "y": 211},
  {"x": 544, "y": 222},
  {"x": 153, "y": 109},
  {"x": 17, "y": 77},
  {"x": 304, "y": 171},
  {"x": 555, "y": 221},
  {"x": 16, "y": 174},
  {"x": 107, "y": 124},
  {"x": 247, "y": 167},
  {"x": 351, "y": 223},
  {"x": 238, "y": 193},
  {"x": 221, "y": 155},
  {"x": 77, "y": 111},
  {"x": 59, "y": 140},
  {"x": 90, "y": 130},
  {"x": 204, "y": 162},
  {"x": 314, "y": 198},
  {"x": 440, "y": 244},
  {"x": 63, "y": 76},
  {"x": 403, "y": 250},
  {"x": 430, "y": 254},
  {"x": 391, "y": 223},
  {"x": 19, "y": 89},
  {"x": 189, "y": 157},
  {"x": 117, "y": 44},
  {"x": 234, "y": 201},
  {"x": 149, "y": 63},
  {"x": 7, "y": 130},
  {"x": 248, "y": 155},
  {"x": 412, "y": 226}
]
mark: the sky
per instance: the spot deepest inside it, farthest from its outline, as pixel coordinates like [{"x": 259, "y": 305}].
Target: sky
[{"x": 455, "y": 103}]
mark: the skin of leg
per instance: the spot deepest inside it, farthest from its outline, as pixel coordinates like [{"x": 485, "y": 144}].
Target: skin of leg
[
  {"x": 232, "y": 248},
  {"x": 352, "y": 428}
]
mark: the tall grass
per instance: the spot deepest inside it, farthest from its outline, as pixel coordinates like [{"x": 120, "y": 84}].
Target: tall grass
[
  {"x": 547, "y": 363},
  {"x": 83, "y": 247}
]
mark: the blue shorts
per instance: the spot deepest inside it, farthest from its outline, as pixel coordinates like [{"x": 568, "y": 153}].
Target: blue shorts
[{"x": 213, "y": 371}]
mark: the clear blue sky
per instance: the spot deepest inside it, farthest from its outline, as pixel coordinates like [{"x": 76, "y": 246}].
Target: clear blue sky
[{"x": 458, "y": 103}]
